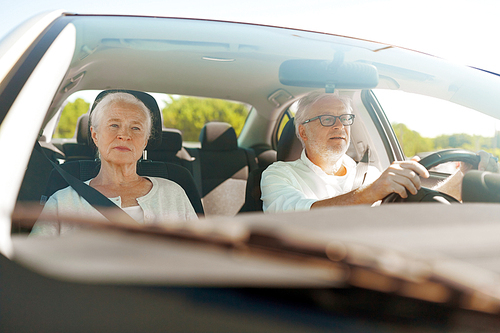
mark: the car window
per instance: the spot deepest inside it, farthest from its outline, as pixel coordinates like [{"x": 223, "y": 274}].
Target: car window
[
  {"x": 186, "y": 113},
  {"x": 189, "y": 114},
  {"x": 76, "y": 105},
  {"x": 67, "y": 122},
  {"x": 424, "y": 124}
]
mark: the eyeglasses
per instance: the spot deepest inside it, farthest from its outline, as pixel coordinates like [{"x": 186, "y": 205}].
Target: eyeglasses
[{"x": 330, "y": 120}]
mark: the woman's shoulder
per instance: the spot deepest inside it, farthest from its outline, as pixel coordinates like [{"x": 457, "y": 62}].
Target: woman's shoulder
[
  {"x": 67, "y": 192},
  {"x": 64, "y": 193},
  {"x": 163, "y": 183}
]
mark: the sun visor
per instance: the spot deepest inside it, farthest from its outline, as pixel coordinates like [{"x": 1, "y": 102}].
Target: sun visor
[{"x": 327, "y": 74}]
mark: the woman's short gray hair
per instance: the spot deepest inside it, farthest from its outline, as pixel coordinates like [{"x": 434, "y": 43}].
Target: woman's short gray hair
[
  {"x": 305, "y": 103},
  {"x": 119, "y": 97}
]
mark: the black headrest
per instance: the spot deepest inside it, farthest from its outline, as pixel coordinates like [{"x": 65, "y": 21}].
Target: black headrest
[
  {"x": 150, "y": 102},
  {"x": 289, "y": 146},
  {"x": 218, "y": 136},
  {"x": 82, "y": 129},
  {"x": 171, "y": 140}
]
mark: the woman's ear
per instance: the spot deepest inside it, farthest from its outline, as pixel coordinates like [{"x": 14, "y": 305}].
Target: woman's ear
[{"x": 93, "y": 134}]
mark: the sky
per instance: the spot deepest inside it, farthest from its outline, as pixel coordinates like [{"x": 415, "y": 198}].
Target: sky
[{"x": 463, "y": 31}]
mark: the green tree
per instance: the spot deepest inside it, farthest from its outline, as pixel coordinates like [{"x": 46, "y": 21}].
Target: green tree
[
  {"x": 190, "y": 114},
  {"x": 465, "y": 141},
  {"x": 67, "y": 123},
  {"x": 411, "y": 141},
  {"x": 460, "y": 140}
]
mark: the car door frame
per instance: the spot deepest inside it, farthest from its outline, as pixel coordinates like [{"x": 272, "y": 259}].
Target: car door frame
[{"x": 36, "y": 76}]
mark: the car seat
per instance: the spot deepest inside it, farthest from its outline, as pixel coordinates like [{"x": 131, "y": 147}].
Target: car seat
[
  {"x": 81, "y": 150},
  {"x": 171, "y": 149},
  {"x": 289, "y": 149},
  {"x": 86, "y": 169},
  {"x": 223, "y": 169}
]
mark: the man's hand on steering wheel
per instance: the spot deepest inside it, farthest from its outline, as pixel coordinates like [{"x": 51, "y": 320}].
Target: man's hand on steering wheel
[
  {"x": 482, "y": 161},
  {"x": 399, "y": 177},
  {"x": 487, "y": 162}
]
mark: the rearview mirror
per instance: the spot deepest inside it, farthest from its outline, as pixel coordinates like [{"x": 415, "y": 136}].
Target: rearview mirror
[{"x": 327, "y": 74}]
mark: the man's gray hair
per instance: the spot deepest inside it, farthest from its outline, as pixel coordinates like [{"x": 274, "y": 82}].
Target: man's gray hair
[
  {"x": 305, "y": 103},
  {"x": 119, "y": 97}
]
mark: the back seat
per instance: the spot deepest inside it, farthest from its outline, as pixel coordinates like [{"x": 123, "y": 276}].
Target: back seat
[
  {"x": 81, "y": 150},
  {"x": 221, "y": 169},
  {"x": 171, "y": 150}
]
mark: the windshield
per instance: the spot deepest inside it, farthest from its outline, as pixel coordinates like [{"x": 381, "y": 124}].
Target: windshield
[{"x": 425, "y": 124}]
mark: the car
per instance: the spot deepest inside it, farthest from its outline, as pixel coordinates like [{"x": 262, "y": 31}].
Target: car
[{"x": 420, "y": 264}]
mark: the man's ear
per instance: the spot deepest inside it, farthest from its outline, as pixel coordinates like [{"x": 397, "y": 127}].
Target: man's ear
[{"x": 302, "y": 132}]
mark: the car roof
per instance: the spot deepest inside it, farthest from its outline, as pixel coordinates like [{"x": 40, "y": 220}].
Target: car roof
[
  {"x": 195, "y": 57},
  {"x": 240, "y": 61}
]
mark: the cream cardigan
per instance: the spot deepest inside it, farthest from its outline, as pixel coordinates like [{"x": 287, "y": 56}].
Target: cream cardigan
[{"x": 165, "y": 204}]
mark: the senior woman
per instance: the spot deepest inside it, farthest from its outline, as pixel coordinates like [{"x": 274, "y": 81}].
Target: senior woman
[{"x": 120, "y": 126}]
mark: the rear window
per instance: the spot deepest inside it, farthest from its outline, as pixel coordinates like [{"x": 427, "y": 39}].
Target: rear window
[
  {"x": 186, "y": 113},
  {"x": 190, "y": 114}
]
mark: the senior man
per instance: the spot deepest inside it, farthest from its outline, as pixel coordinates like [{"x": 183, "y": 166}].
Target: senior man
[{"x": 325, "y": 176}]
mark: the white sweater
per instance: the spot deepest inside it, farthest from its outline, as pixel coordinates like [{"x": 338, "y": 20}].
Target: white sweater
[{"x": 165, "y": 204}]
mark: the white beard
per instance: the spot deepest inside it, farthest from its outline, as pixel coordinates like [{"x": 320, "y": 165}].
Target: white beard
[{"x": 331, "y": 156}]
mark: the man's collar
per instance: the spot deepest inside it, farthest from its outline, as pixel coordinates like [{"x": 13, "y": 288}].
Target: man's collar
[
  {"x": 311, "y": 165},
  {"x": 347, "y": 161}
]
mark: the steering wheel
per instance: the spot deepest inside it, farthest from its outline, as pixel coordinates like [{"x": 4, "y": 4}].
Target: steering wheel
[{"x": 426, "y": 194}]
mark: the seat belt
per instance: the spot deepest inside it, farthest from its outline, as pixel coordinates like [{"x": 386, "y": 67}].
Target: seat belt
[
  {"x": 361, "y": 170},
  {"x": 251, "y": 159},
  {"x": 197, "y": 170},
  {"x": 95, "y": 198}
]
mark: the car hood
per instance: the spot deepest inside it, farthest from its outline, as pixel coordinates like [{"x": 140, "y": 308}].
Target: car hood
[{"x": 430, "y": 252}]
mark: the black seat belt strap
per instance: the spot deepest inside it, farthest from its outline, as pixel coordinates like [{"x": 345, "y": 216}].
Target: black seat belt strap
[
  {"x": 251, "y": 159},
  {"x": 197, "y": 170},
  {"x": 95, "y": 198}
]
